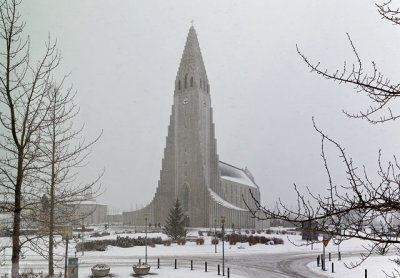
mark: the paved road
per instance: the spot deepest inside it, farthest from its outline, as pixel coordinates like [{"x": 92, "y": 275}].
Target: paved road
[
  {"x": 269, "y": 265},
  {"x": 274, "y": 265},
  {"x": 283, "y": 265}
]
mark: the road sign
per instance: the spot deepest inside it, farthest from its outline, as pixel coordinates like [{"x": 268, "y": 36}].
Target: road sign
[
  {"x": 67, "y": 232},
  {"x": 83, "y": 228},
  {"x": 72, "y": 267},
  {"x": 326, "y": 241}
]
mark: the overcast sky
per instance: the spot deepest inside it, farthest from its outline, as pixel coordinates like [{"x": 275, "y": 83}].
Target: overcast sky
[{"x": 123, "y": 57}]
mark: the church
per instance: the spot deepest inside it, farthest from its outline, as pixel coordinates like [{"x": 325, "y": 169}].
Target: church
[{"x": 191, "y": 170}]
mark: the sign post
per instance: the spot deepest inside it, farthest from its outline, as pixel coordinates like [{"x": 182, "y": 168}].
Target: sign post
[
  {"x": 66, "y": 235},
  {"x": 223, "y": 247},
  {"x": 325, "y": 241},
  {"x": 215, "y": 234},
  {"x": 339, "y": 232},
  {"x": 146, "y": 216},
  {"x": 83, "y": 231}
]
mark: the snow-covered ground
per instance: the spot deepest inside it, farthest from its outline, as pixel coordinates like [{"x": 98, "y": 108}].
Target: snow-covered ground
[
  {"x": 374, "y": 265},
  {"x": 164, "y": 272},
  {"x": 122, "y": 259}
]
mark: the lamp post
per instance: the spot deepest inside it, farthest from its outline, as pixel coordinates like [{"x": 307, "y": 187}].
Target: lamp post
[
  {"x": 215, "y": 234},
  {"x": 146, "y": 216},
  {"x": 223, "y": 245}
]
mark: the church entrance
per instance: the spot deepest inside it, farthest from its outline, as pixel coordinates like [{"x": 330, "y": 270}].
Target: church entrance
[{"x": 187, "y": 221}]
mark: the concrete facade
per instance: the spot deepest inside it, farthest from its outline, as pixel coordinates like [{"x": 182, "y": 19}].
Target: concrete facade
[
  {"x": 90, "y": 212},
  {"x": 191, "y": 170}
]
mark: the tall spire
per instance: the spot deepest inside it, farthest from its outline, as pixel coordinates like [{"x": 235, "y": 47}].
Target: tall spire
[{"x": 192, "y": 64}]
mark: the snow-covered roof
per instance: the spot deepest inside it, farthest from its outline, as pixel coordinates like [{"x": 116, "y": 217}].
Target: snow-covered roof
[
  {"x": 235, "y": 174},
  {"x": 88, "y": 202},
  {"x": 223, "y": 202}
]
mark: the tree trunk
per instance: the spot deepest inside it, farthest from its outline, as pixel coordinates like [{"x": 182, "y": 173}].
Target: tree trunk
[
  {"x": 51, "y": 224},
  {"x": 16, "y": 249}
]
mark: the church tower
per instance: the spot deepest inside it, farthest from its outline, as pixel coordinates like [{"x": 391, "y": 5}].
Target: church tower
[
  {"x": 191, "y": 171},
  {"x": 190, "y": 164}
]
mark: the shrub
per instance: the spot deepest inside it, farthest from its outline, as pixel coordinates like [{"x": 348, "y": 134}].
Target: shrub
[
  {"x": 277, "y": 240},
  {"x": 258, "y": 231},
  {"x": 200, "y": 233},
  {"x": 93, "y": 245},
  {"x": 124, "y": 242},
  {"x": 95, "y": 234},
  {"x": 101, "y": 247},
  {"x": 263, "y": 240},
  {"x": 253, "y": 232},
  {"x": 181, "y": 241},
  {"x": 269, "y": 231},
  {"x": 199, "y": 241},
  {"x": 243, "y": 238},
  {"x": 253, "y": 240},
  {"x": 209, "y": 233},
  {"x": 105, "y": 234},
  {"x": 233, "y": 239},
  {"x": 167, "y": 242},
  {"x": 152, "y": 244},
  {"x": 247, "y": 231},
  {"x": 214, "y": 241}
]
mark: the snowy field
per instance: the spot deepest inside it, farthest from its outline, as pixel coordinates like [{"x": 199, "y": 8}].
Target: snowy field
[
  {"x": 374, "y": 265},
  {"x": 122, "y": 259},
  {"x": 162, "y": 272}
]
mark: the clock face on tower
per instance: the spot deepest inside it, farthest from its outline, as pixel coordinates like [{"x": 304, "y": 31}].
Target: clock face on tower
[{"x": 185, "y": 100}]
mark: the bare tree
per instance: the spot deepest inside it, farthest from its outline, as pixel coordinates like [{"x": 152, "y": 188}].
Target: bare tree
[
  {"x": 65, "y": 152},
  {"x": 363, "y": 207},
  {"x": 24, "y": 89}
]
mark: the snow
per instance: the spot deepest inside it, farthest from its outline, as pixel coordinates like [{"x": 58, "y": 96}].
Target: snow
[
  {"x": 100, "y": 267},
  {"x": 232, "y": 173},
  {"x": 374, "y": 266},
  {"x": 222, "y": 202},
  {"x": 165, "y": 272},
  {"x": 121, "y": 260}
]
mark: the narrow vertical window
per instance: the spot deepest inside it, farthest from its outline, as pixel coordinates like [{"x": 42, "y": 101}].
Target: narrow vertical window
[
  {"x": 185, "y": 81},
  {"x": 179, "y": 85},
  {"x": 201, "y": 83},
  {"x": 186, "y": 199},
  {"x": 191, "y": 81}
]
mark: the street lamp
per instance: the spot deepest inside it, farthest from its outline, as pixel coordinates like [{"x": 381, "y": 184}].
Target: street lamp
[
  {"x": 146, "y": 216},
  {"x": 215, "y": 234},
  {"x": 223, "y": 246}
]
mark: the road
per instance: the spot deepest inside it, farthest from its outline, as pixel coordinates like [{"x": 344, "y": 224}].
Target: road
[
  {"x": 282, "y": 265},
  {"x": 257, "y": 265}
]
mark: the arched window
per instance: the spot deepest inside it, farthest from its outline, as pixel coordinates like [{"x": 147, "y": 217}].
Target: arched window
[
  {"x": 185, "y": 81},
  {"x": 191, "y": 81},
  {"x": 201, "y": 83},
  {"x": 179, "y": 85}
]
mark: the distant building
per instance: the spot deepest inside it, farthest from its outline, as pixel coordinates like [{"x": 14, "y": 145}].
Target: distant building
[
  {"x": 115, "y": 219},
  {"x": 90, "y": 212},
  {"x": 191, "y": 170}
]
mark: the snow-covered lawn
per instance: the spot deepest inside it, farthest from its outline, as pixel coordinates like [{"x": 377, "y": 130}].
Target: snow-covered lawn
[
  {"x": 374, "y": 265},
  {"x": 122, "y": 259},
  {"x": 164, "y": 272}
]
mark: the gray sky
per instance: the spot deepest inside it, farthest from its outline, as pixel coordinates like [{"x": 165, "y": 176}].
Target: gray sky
[{"x": 123, "y": 57}]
